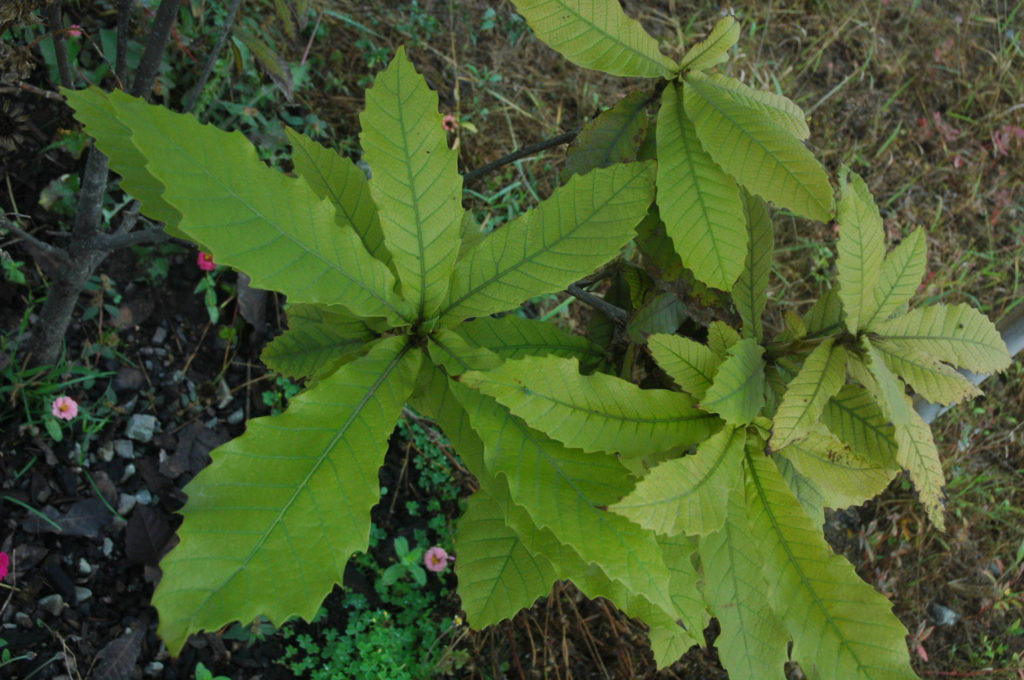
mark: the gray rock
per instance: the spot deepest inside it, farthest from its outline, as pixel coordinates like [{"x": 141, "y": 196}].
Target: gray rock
[
  {"x": 84, "y": 567},
  {"x": 943, "y": 615},
  {"x": 129, "y": 470},
  {"x": 124, "y": 447},
  {"x": 23, "y": 620},
  {"x": 159, "y": 335},
  {"x": 52, "y": 603},
  {"x": 153, "y": 669},
  {"x": 236, "y": 417},
  {"x": 126, "y": 503},
  {"x": 108, "y": 547},
  {"x": 106, "y": 452},
  {"x": 144, "y": 497},
  {"x": 141, "y": 427},
  {"x": 82, "y": 594}
]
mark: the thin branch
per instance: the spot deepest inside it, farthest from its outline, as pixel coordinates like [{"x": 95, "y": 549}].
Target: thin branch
[
  {"x": 19, "y": 86},
  {"x": 156, "y": 45},
  {"x": 616, "y": 314},
  {"x": 60, "y": 47},
  {"x": 563, "y": 138},
  {"x": 142, "y": 237},
  {"x": 53, "y": 251},
  {"x": 211, "y": 61},
  {"x": 124, "y": 18}
]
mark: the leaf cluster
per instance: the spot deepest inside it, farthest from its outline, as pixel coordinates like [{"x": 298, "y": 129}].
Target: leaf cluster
[{"x": 699, "y": 497}]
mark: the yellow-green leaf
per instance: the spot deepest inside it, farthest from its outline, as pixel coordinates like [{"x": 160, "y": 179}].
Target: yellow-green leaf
[
  {"x": 855, "y": 418},
  {"x": 933, "y": 380},
  {"x": 689, "y": 363},
  {"x": 318, "y": 339},
  {"x": 841, "y": 627},
  {"x": 613, "y": 137},
  {"x": 860, "y": 251},
  {"x": 780, "y": 110},
  {"x": 582, "y": 225},
  {"x": 415, "y": 184},
  {"x": 698, "y": 202},
  {"x": 303, "y": 480},
  {"x": 820, "y": 379},
  {"x": 688, "y": 495},
  {"x": 714, "y": 49},
  {"x": 750, "y": 292},
  {"x": 902, "y": 271},
  {"x": 594, "y": 412},
  {"x": 596, "y": 34},
  {"x": 737, "y": 391},
  {"x": 918, "y": 455},
  {"x": 957, "y": 334},
  {"x": 762, "y": 155}
]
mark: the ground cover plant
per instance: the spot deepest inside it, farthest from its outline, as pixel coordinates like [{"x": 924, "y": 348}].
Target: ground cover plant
[{"x": 643, "y": 365}]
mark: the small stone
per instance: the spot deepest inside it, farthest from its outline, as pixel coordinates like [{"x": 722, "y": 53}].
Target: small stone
[
  {"x": 129, "y": 470},
  {"x": 82, "y": 594},
  {"x": 84, "y": 567},
  {"x": 141, "y": 427},
  {"x": 126, "y": 503},
  {"x": 108, "y": 547},
  {"x": 23, "y": 620},
  {"x": 224, "y": 395},
  {"x": 943, "y": 615},
  {"x": 106, "y": 452},
  {"x": 52, "y": 603},
  {"x": 124, "y": 448},
  {"x": 236, "y": 417},
  {"x": 154, "y": 669},
  {"x": 159, "y": 335},
  {"x": 144, "y": 497}
]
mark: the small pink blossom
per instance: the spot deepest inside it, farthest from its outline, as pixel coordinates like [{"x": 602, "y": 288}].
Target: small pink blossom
[
  {"x": 205, "y": 262},
  {"x": 5, "y": 560},
  {"x": 75, "y": 31},
  {"x": 449, "y": 123},
  {"x": 436, "y": 559},
  {"x": 64, "y": 408}
]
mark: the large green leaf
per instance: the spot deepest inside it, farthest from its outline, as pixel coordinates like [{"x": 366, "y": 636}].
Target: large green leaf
[
  {"x": 714, "y": 49},
  {"x": 825, "y": 317},
  {"x": 698, "y": 202},
  {"x": 582, "y": 225},
  {"x": 498, "y": 575},
  {"x": 750, "y": 292},
  {"x": 416, "y": 182},
  {"x": 596, "y": 412},
  {"x": 957, "y": 334},
  {"x": 317, "y": 339},
  {"x": 860, "y": 251},
  {"x": 843, "y": 477},
  {"x": 737, "y": 391},
  {"x": 662, "y": 314},
  {"x": 613, "y": 137},
  {"x": 753, "y": 642},
  {"x": 918, "y": 455},
  {"x": 563, "y": 490},
  {"x": 596, "y": 34},
  {"x": 254, "y": 218},
  {"x": 762, "y": 156},
  {"x": 511, "y": 337},
  {"x": 688, "y": 495},
  {"x": 335, "y": 177},
  {"x": 854, "y": 417},
  {"x": 902, "y": 271},
  {"x": 689, "y": 363},
  {"x": 272, "y": 521},
  {"x": 100, "y": 114},
  {"x": 933, "y": 380},
  {"x": 841, "y": 627},
  {"x": 780, "y": 110},
  {"x": 819, "y": 379}
]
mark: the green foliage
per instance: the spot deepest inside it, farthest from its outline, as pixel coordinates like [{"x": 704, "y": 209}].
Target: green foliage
[{"x": 636, "y": 493}]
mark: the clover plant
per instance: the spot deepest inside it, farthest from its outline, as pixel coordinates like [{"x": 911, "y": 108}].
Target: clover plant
[{"x": 703, "y": 497}]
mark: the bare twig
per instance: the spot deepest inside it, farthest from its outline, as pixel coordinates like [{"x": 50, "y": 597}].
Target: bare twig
[
  {"x": 523, "y": 152},
  {"x": 616, "y": 314},
  {"x": 225, "y": 31},
  {"x": 124, "y": 17},
  {"x": 60, "y": 48},
  {"x": 25, "y": 87},
  {"x": 123, "y": 240},
  {"x": 156, "y": 45},
  {"x": 33, "y": 241}
]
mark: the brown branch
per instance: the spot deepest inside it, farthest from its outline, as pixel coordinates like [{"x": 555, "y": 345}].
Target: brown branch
[
  {"x": 43, "y": 246},
  {"x": 60, "y": 48},
  {"x": 563, "y": 138},
  {"x": 616, "y": 314},
  {"x": 156, "y": 45}
]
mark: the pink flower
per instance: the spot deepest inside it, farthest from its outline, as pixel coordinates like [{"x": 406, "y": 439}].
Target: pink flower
[
  {"x": 75, "y": 31},
  {"x": 205, "y": 262},
  {"x": 436, "y": 559},
  {"x": 4, "y": 562},
  {"x": 449, "y": 123},
  {"x": 64, "y": 408}
]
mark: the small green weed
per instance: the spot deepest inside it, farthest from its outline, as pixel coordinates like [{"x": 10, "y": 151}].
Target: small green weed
[
  {"x": 277, "y": 397},
  {"x": 202, "y": 673}
]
